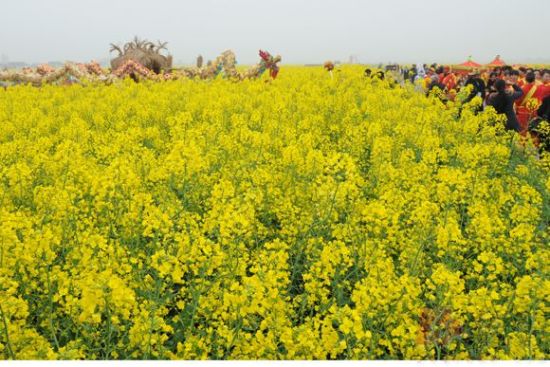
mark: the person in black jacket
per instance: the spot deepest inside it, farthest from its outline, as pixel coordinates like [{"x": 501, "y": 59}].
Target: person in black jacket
[
  {"x": 379, "y": 74},
  {"x": 539, "y": 127},
  {"x": 544, "y": 110},
  {"x": 478, "y": 86},
  {"x": 493, "y": 77},
  {"x": 434, "y": 83},
  {"x": 413, "y": 73},
  {"x": 503, "y": 102}
]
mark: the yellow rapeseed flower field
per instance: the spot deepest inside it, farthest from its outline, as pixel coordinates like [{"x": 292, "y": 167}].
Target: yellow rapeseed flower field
[{"x": 305, "y": 218}]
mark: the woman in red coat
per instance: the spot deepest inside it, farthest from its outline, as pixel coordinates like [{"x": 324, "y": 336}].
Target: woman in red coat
[{"x": 525, "y": 111}]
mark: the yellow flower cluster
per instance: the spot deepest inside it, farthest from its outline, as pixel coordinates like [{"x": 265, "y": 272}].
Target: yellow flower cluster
[{"x": 311, "y": 217}]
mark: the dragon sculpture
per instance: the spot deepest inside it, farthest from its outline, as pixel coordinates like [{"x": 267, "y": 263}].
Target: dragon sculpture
[
  {"x": 144, "y": 53},
  {"x": 139, "y": 60}
]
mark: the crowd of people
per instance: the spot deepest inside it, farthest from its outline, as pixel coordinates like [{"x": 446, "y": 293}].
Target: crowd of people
[{"x": 522, "y": 93}]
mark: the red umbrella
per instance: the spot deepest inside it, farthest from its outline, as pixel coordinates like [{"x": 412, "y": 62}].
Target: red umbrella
[
  {"x": 470, "y": 63},
  {"x": 497, "y": 62}
]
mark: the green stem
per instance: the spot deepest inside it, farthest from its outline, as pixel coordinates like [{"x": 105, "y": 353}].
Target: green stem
[
  {"x": 6, "y": 332},
  {"x": 50, "y": 297},
  {"x": 109, "y": 333}
]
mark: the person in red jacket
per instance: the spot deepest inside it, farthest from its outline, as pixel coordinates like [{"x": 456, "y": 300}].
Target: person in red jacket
[
  {"x": 545, "y": 88},
  {"x": 522, "y": 73},
  {"x": 449, "y": 81},
  {"x": 538, "y": 77},
  {"x": 524, "y": 108}
]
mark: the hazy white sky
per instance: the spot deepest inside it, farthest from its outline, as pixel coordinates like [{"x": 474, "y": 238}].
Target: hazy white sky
[{"x": 301, "y": 31}]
